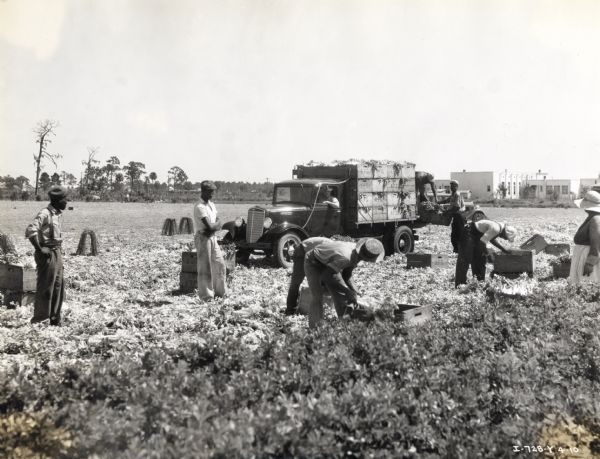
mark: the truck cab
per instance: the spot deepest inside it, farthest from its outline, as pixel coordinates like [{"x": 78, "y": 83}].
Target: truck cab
[{"x": 299, "y": 210}]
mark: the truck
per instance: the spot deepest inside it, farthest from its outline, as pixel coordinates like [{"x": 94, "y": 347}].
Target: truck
[{"x": 376, "y": 199}]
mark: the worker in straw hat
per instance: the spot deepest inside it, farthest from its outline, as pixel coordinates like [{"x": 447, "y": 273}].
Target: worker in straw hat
[
  {"x": 453, "y": 206},
  {"x": 330, "y": 265},
  {"x": 45, "y": 234},
  {"x": 473, "y": 247},
  {"x": 212, "y": 272},
  {"x": 586, "y": 253}
]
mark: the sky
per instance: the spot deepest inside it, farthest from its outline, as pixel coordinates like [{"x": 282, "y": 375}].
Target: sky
[{"x": 246, "y": 89}]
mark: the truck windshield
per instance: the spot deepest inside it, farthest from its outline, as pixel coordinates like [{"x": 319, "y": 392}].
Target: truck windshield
[{"x": 297, "y": 194}]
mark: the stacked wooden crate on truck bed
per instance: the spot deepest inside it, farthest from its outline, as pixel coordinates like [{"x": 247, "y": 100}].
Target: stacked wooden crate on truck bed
[{"x": 375, "y": 191}]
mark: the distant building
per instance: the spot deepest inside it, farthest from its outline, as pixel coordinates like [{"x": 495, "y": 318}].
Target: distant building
[
  {"x": 586, "y": 184},
  {"x": 483, "y": 185},
  {"x": 559, "y": 189}
]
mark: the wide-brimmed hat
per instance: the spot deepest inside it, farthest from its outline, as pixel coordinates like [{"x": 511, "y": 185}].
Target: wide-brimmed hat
[
  {"x": 370, "y": 249},
  {"x": 590, "y": 201},
  {"x": 57, "y": 192}
]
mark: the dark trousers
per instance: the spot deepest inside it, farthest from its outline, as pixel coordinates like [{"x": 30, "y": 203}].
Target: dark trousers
[
  {"x": 458, "y": 225},
  {"x": 50, "y": 290},
  {"x": 320, "y": 277},
  {"x": 471, "y": 253},
  {"x": 297, "y": 278}
]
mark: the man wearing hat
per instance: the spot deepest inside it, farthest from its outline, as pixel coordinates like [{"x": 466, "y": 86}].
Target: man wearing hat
[
  {"x": 422, "y": 179},
  {"x": 330, "y": 264},
  {"x": 298, "y": 274},
  {"x": 473, "y": 247},
  {"x": 586, "y": 253},
  {"x": 453, "y": 206},
  {"x": 211, "y": 264},
  {"x": 45, "y": 234}
]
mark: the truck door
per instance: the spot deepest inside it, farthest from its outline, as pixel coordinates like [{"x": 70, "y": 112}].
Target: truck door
[{"x": 326, "y": 217}]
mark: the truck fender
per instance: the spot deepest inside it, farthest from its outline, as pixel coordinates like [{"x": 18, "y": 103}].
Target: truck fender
[{"x": 276, "y": 231}]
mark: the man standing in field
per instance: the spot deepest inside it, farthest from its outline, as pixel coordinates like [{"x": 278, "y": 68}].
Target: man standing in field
[
  {"x": 453, "y": 205},
  {"x": 211, "y": 264},
  {"x": 45, "y": 234},
  {"x": 330, "y": 264},
  {"x": 473, "y": 250},
  {"x": 298, "y": 272}
]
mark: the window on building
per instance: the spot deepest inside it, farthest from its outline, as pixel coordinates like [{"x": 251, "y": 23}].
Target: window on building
[
  {"x": 549, "y": 190},
  {"x": 565, "y": 189},
  {"x": 514, "y": 188},
  {"x": 489, "y": 188}
]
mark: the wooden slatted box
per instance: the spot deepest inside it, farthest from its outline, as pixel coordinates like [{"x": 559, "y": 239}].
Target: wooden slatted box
[
  {"x": 514, "y": 263},
  {"x": 558, "y": 249},
  {"x": 17, "y": 278},
  {"x": 426, "y": 260},
  {"x": 562, "y": 270},
  {"x": 412, "y": 313}
]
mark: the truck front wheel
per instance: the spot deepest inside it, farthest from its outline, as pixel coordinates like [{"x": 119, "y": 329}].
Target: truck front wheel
[
  {"x": 404, "y": 240},
  {"x": 284, "y": 249}
]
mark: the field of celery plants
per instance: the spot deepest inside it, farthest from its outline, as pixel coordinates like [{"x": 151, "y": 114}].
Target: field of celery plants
[{"x": 137, "y": 370}]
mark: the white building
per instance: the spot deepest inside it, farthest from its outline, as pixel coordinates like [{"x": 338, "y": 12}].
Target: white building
[
  {"x": 558, "y": 189},
  {"x": 586, "y": 184}
]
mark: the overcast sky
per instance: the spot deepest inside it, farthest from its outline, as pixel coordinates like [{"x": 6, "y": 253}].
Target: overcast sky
[{"x": 243, "y": 90}]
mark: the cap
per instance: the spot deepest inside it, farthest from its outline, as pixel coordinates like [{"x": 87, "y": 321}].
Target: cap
[
  {"x": 370, "y": 249},
  {"x": 57, "y": 192},
  {"x": 207, "y": 185}
]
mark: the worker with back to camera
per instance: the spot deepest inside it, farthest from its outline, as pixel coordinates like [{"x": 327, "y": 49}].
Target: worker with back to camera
[
  {"x": 473, "y": 247},
  {"x": 453, "y": 206},
  {"x": 422, "y": 179}
]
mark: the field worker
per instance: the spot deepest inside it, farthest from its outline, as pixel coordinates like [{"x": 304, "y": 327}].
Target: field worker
[
  {"x": 330, "y": 265},
  {"x": 45, "y": 234},
  {"x": 422, "y": 179},
  {"x": 454, "y": 205},
  {"x": 211, "y": 264},
  {"x": 473, "y": 248},
  {"x": 586, "y": 254},
  {"x": 298, "y": 272}
]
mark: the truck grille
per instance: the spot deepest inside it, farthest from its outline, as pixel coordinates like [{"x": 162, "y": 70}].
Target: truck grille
[{"x": 254, "y": 227}]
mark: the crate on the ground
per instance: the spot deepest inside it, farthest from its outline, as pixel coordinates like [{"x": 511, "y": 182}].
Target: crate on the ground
[
  {"x": 412, "y": 313},
  {"x": 306, "y": 297},
  {"x": 561, "y": 270},
  {"x": 18, "y": 278},
  {"x": 188, "y": 282},
  {"x": 426, "y": 260},
  {"x": 558, "y": 249},
  {"x": 515, "y": 263},
  {"x": 12, "y": 298},
  {"x": 189, "y": 262},
  {"x": 536, "y": 243}
]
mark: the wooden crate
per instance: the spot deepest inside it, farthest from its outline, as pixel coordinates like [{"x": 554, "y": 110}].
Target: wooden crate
[
  {"x": 18, "y": 278},
  {"x": 188, "y": 282},
  {"x": 562, "y": 270},
  {"x": 558, "y": 249},
  {"x": 412, "y": 313},
  {"x": 426, "y": 260},
  {"x": 514, "y": 263},
  {"x": 12, "y": 298},
  {"x": 536, "y": 243}
]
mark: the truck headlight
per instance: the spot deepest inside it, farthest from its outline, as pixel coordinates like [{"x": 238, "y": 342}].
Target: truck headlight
[
  {"x": 238, "y": 222},
  {"x": 267, "y": 223}
]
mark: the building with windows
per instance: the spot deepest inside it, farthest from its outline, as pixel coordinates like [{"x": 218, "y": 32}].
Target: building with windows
[
  {"x": 586, "y": 184},
  {"x": 483, "y": 185},
  {"x": 556, "y": 189}
]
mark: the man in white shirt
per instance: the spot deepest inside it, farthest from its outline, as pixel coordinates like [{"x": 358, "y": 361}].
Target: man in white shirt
[
  {"x": 210, "y": 264},
  {"x": 473, "y": 247},
  {"x": 330, "y": 264}
]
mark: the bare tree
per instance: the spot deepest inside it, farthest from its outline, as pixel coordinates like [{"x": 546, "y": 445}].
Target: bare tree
[
  {"x": 89, "y": 164},
  {"x": 43, "y": 131}
]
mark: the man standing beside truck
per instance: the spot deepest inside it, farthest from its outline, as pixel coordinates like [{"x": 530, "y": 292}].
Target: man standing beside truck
[
  {"x": 453, "y": 206},
  {"x": 211, "y": 264},
  {"x": 330, "y": 265}
]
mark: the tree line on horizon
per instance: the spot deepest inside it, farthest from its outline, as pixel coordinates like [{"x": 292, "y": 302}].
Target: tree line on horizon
[{"x": 116, "y": 181}]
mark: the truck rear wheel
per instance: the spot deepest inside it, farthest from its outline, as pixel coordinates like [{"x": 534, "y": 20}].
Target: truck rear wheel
[
  {"x": 284, "y": 249},
  {"x": 404, "y": 240}
]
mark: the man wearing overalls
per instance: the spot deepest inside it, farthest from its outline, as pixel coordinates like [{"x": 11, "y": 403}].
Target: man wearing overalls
[{"x": 45, "y": 234}]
